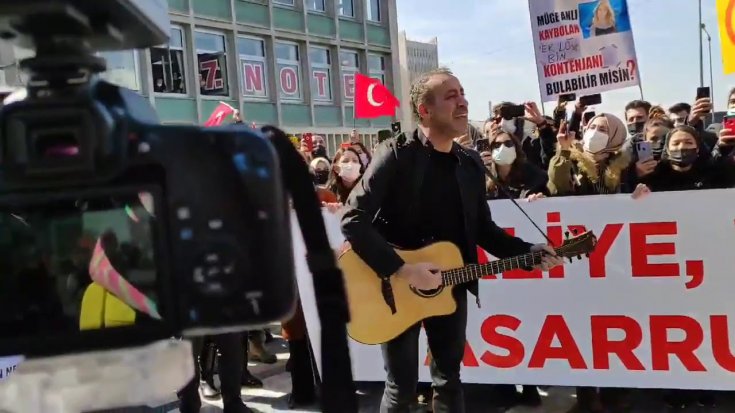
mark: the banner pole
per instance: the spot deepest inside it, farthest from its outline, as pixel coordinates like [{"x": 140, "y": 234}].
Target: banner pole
[{"x": 538, "y": 76}]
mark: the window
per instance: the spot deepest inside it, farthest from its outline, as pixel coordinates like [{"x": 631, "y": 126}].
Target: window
[
  {"x": 286, "y": 2},
  {"x": 212, "y": 63},
  {"x": 122, "y": 68},
  {"x": 346, "y": 8},
  {"x": 253, "y": 66},
  {"x": 321, "y": 74},
  {"x": 376, "y": 67},
  {"x": 168, "y": 65},
  {"x": 315, "y": 5},
  {"x": 373, "y": 10},
  {"x": 350, "y": 63},
  {"x": 289, "y": 71}
]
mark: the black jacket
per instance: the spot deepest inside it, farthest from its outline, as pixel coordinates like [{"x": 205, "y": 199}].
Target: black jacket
[
  {"x": 532, "y": 180},
  {"x": 383, "y": 208}
]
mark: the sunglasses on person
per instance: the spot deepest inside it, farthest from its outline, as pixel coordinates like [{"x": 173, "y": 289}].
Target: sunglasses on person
[{"x": 496, "y": 145}]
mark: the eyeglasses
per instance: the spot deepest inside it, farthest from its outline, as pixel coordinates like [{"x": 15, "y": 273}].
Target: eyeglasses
[{"x": 496, "y": 145}]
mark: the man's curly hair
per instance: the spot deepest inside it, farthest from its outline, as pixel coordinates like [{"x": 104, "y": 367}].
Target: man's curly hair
[{"x": 420, "y": 91}]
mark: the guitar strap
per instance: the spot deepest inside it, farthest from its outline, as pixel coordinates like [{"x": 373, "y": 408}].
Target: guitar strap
[{"x": 498, "y": 185}]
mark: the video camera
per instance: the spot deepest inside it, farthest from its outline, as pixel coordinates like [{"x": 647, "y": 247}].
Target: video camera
[{"x": 118, "y": 231}]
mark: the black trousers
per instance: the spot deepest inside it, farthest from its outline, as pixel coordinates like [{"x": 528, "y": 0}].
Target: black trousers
[
  {"x": 230, "y": 371},
  {"x": 446, "y": 336}
]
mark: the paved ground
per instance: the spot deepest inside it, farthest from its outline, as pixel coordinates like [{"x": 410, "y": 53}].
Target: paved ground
[{"x": 273, "y": 396}]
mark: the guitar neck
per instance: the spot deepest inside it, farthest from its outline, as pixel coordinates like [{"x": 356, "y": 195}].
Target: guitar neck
[{"x": 474, "y": 272}]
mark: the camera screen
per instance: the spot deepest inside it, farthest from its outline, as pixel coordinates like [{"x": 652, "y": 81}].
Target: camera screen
[{"x": 78, "y": 264}]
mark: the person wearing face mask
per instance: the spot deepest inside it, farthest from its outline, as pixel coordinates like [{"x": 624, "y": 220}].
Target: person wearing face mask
[
  {"x": 686, "y": 164},
  {"x": 320, "y": 168},
  {"x": 365, "y": 156},
  {"x": 346, "y": 171},
  {"x": 654, "y": 131},
  {"x": 519, "y": 178},
  {"x": 539, "y": 146},
  {"x": 593, "y": 166}
]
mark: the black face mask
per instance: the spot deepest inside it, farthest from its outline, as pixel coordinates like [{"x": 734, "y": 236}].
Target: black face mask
[
  {"x": 683, "y": 157},
  {"x": 636, "y": 128},
  {"x": 321, "y": 177},
  {"x": 320, "y": 152},
  {"x": 657, "y": 148}
]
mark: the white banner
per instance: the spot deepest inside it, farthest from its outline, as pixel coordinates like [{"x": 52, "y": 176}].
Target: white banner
[
  {"x": 582, "y": 47},
  {"x": 8, "y": 365},
  {"x": 651, "y": 307}
]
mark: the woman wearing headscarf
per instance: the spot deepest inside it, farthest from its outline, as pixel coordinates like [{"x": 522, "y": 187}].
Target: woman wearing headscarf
[{"x": 593, "y": 165}]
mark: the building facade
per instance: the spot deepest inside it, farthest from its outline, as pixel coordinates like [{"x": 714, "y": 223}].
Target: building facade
[
  {"x": 289, "y": 63},
  {"x": 415, "y": 58}
]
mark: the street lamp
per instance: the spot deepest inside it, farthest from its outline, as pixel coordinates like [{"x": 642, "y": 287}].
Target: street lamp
[
  {"x": 711, "y": 77},
  {"x": 701, "y": 57}
]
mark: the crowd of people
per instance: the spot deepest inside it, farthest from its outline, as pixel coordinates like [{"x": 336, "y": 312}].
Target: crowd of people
[{"x": 573, "y": 152}]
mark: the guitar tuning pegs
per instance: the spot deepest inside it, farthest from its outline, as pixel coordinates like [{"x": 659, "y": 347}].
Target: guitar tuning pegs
[
  {"x": 566, "y": 234},
  {"x": 571, "y": 260},
  {"x": 579, "y": 257}
]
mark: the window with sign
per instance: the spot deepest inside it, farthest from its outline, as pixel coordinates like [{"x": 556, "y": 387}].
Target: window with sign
[
  {"x": 346, "y": 8},
  {"x": 376, "y": 67},
  {"x": 212, "y": 63},
  {"x": 373, "y": 10},
  {"x": 253, "y": 67},
  {"x": 288, "y": 70},
  {"x": 122, "y": 68},
  {"x": 168, "y": 65},
  {"x": 321, "y": 85},
  {"x": 315, "y": 5},
  {"x": 349, "y": 61}
]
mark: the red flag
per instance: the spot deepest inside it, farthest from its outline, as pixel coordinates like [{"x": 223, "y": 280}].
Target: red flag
[
  {"x": 222, "y": 111},
  {"x": 373, "y": 99}
]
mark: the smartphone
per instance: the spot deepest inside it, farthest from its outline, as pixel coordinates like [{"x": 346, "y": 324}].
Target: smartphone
[
  {"x": 482, "y": 145},
  {"x": 309, "y": 141},
  {"x": 567, "y": 97},
  {"x": 703, "y": 92},
  {"x": 590, "y": 100},
  {"x": 728, "y": 122},
  {"x": 510, "y": 112},
  {"x": 644, "y": 150},
  {"x": 587, "y": 116}
]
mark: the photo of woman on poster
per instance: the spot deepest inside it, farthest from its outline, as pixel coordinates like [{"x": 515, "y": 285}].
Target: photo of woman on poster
[{"x": 603, "y": 21}]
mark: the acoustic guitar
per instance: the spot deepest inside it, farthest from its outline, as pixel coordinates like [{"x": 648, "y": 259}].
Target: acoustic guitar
[{"x": 371, "y": 319}]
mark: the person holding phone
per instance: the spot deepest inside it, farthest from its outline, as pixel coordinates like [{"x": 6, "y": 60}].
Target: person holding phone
[
  {"x": 686, "y": 164},
  {"x": 594, "y": 166},
  {"x": 519, "y": 178}
]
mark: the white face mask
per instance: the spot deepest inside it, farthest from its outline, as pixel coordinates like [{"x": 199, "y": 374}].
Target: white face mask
[
  {"x": 508, "y": 125},
  {"x": 349, "y": 171},
  {"x": 504, "y": 155},
  {"x": 594, "y": 141},
  {"x": 364, "y": 159}
]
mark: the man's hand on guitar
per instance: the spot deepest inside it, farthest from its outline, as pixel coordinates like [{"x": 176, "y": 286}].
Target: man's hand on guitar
[
  {"x": 549, "y": 260},
  {"x": 423, "y": 276}
]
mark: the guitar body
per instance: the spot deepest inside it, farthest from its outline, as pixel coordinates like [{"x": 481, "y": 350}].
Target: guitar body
[{"x": 371, "y": 320}]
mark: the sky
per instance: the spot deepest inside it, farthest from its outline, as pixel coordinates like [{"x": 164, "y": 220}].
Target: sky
[{"x": 488, "y": 45}]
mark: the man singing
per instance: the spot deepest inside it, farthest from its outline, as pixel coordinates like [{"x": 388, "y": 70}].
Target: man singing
[{"x": 417, "y": 190}]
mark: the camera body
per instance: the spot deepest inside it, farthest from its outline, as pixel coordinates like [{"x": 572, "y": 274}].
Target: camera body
[{"x": 122, "y": 231}]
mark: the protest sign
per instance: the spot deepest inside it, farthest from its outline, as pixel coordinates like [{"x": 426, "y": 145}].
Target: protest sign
[
  {"x": 651, "y": 307},
  {"x": 582, "y": 47}
]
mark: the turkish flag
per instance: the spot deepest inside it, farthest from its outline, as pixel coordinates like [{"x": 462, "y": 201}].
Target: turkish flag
[
  {"x": 373, "y": 99},
  {"x": 222, "y": 111}
]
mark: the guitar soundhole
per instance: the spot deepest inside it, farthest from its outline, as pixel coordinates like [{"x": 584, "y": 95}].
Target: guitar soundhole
[{"x": 427, "y": 293}]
